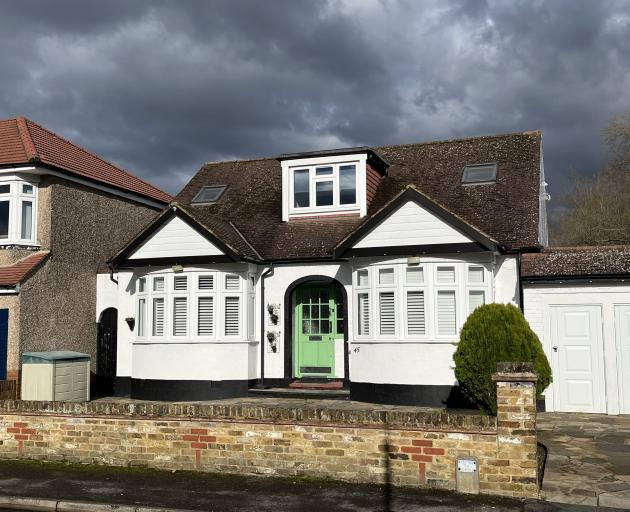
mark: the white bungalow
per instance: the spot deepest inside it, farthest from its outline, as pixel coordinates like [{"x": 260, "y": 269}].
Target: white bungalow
[{"x": 350, "y": 268}]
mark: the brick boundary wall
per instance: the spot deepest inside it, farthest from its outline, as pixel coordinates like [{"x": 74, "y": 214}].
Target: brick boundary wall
[{"x": 402, "y": 446}]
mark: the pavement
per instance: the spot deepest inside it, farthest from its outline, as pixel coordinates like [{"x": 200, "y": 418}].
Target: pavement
[
  {"x": 588, "y": 459},
  {"x": 87, "y": 488}
]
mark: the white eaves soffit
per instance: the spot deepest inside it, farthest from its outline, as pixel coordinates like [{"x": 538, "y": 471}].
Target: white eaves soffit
[
  {"x": 411, "y": 224},
  {"x": 176, "y": 238}
]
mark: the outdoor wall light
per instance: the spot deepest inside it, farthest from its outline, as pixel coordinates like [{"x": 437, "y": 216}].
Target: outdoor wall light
[
  {"x": 131, "y": 322},
  {"x": 177, "y": 268}
]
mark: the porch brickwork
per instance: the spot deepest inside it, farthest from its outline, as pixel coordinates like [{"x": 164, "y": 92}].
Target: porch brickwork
[{"x": 348, "y": 441}]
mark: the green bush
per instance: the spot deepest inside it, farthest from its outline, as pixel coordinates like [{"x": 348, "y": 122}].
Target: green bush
[{"x": 496, "y": 333}]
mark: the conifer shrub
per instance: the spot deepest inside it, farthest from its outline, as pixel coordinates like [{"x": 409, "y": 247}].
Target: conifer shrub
[{"x": 496, "y": 333}]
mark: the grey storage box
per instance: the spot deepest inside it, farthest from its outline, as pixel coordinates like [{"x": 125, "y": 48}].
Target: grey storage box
[{"x": 61, "y": 376}]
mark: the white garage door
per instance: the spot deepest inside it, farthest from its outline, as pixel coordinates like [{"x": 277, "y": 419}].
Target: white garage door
[
  {"x": 622, "y": 331},
  {"x": 578, "y": 358}
]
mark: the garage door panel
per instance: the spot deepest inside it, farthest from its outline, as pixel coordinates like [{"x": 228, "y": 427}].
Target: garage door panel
[
  {"x": 622, "y": 335},
  {"x": 577, "y": 358}
]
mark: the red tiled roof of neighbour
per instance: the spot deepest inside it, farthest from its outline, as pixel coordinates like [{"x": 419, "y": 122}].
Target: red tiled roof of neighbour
[
  {"x": 22, "y": 141},
  {"x": 20, "y": 270},
  {"x": 577, "y": 262},
  {"x": 507, "y": 210}
]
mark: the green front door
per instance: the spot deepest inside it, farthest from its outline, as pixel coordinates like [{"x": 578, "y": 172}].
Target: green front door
[{"x": 318, "y": 323}]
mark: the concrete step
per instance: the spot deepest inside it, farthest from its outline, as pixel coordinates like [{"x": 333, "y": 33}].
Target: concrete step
[{"x": 330, "y": 394}]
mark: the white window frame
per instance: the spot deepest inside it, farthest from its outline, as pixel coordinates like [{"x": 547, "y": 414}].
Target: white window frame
[
  {"x": 192, "y": 295},
  {"x": 288, "y": 168},
  {"x": 363, "y": 290},
  {"x": 376, "y": 304},
  {"x": 454, "y": 286},
  {"x": 416, "y": 287},
  {"x": 16, "y": 197}
]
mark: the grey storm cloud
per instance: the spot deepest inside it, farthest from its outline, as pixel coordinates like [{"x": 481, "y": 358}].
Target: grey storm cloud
[{"x": 161, "y": 87}]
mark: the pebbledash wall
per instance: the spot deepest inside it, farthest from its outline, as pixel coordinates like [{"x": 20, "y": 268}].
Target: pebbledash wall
[{"x": 403, "y": 446}]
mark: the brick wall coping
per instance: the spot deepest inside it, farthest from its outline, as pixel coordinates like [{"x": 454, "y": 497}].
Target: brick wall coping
[
  {"x": 256, "y": 410},
  {"x": 514, "y": 377}
]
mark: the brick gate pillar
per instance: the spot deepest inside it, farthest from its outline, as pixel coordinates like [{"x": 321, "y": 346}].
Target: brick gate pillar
[{"x": 516, "y": 423}]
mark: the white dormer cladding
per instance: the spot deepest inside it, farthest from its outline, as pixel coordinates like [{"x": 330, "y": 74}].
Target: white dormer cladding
[
  {"x": 412, "y": 224},
  {"x": 324, "y": 185},
  {"x": 176, "y": 238}
]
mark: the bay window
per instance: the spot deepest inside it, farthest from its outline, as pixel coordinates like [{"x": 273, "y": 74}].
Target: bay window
[
  {"x": 192, "y": 306},
  {"x": 429, "y": 301},
  {"x": 18, "y": 206}
]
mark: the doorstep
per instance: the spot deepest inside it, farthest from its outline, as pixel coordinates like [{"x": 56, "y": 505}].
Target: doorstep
[{"x": 304, "y": 393}]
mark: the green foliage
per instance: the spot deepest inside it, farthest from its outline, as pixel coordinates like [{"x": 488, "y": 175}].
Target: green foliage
[{"x": 496, "y": 333}]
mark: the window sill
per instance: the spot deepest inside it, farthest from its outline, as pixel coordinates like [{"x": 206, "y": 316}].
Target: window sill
[
  {"x": 192, "y": 342},
  {"x": 20, "y": 245}
]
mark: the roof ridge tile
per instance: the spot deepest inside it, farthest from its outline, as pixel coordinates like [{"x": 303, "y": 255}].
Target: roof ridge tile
[{"x": 26, "y": 138}]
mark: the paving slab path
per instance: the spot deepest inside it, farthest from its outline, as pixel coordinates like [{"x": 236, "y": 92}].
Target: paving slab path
[{"x": 588, "y": 460}]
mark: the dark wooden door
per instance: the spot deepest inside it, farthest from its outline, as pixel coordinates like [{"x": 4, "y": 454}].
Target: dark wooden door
[
  {"x": 4, "y": 341},
  {"x": 106, "y": 352}
]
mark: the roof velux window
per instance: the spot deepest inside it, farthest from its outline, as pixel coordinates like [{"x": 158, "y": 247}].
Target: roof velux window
[
  {"x": 480, "y": 173},
  {"x": 209, "y": 195}
]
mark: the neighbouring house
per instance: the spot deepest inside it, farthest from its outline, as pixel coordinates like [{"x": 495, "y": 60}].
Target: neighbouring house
[
  {"x": 577, "y": 299},
  {"x": 355, "y": 266},
  {"x": 63, "y": 212}
]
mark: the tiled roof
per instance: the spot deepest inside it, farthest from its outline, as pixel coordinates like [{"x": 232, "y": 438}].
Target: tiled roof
[
  {"x": 22, "y": 142},
  {"x": 506, "y": 210},
  {"x": 16, "y": 273},
  {"x": 575, "y": 262}
]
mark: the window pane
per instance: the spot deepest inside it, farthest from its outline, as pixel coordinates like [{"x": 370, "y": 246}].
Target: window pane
[
  {"x": 180, "y": 282},
  {"x": 415, "y": 275},
  {"x": 386, "y": 276},
  {"x": 323, "y": 171},
  {"x": 387, "y": 313},
  {"x": 4, "y": 219},
  {"x": 347, "y": 184},
  {"x": 364, "y": 314},
  {"x": 206, "y": 282},
  {"x": 232, "y": 282},
  {"x": 232, "y": 315},
  {"x": 158, "y": 317},
  {"x": 158, "y": 284},
  {"x": 480, "y": 173},
  {"x": 209, "y": 194},
  {"x": 205, "y": 316},
  {"x": 251, "y": 316},
  {"x": 475, "y": 274},
  {"x": 324, "y": 193},
  {"x": 180, "y": 316},
  {"x": 301, "y": 196},
  {"x": 142, "y": 284},
  {"x": 27, "y": 189},
  {"x": 363, "y": 278},
  {"x": 26, "y": 229},
  {"x": 476, "y": 298},
  {"x": 5, "y": 189},
  {"x": 446, "y": 274},
  {"x": 415, "y": 313},
  {"x": 446, "y": 312},
  {"x": 142, "y": 315}
]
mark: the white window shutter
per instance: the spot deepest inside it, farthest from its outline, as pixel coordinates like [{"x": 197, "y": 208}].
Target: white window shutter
[
  {"x": 475, "y": 275},
  {"x": 180, "y": 283},
  {"x": 363, "y": 278},
  {"x": 446, "y": 311},
  {"x": 415, "y": 313},
  {"x": 180, "y": 316},
  {"x": 158, "y": 284},
  {"x": 364, "y": 314},
  {"x": 158, "y": 317},
  {"x": 232, "y": 316},
  {"x": 446, "y": 274},
  {"x": 206, "y": 282},
  {"x": 205, "y": 316},
  {"x": 476, "y": 298},
  {"x": 142, "y": 316},
  {"x": 387, "y": 313},
  {"x": 415, "y": 275},
  {"x": 232, "y": 282},
  {"x": 386, "y": 276}
]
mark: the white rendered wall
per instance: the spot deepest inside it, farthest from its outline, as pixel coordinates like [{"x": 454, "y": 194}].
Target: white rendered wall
[
  {"x": 175, "y": 239},
  {"x": 411, "y": 224},
  {"x": 538, "y": 298},
  {"x": 506, "y": 280}
]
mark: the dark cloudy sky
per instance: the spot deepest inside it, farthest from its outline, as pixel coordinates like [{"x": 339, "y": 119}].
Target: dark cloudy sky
[{"x": 161, "y": 87}]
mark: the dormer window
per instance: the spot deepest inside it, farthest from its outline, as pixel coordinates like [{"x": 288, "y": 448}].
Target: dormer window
[
  {"x": 325, "y": 186},
  {"x": 328, "y": 183}
]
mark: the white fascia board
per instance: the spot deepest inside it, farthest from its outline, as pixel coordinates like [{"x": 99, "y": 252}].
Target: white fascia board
[{"x": 103, "y": 188}]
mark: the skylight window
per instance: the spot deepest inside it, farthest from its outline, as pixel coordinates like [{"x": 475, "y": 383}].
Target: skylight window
[
  {"x": 480, "y": 173},
  {"x": 209, "y": 195}
]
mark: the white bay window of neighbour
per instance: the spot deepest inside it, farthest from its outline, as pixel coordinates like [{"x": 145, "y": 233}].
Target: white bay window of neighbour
[
  {"x": 430, "y": 301},
  {"x": 18, "y": 200},
  {"x": 193, "y": 306}
]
